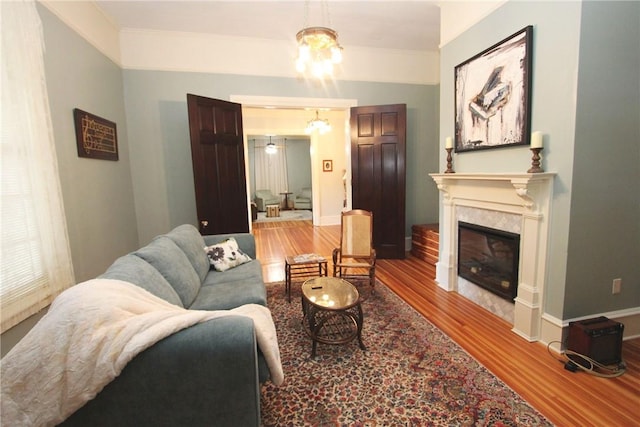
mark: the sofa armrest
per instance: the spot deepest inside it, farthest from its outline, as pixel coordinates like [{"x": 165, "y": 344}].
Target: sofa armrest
[
  {"x": 201, "y": 376},
  {"x": 246, "y": 241},
  {"x": 260, "y": 204}
]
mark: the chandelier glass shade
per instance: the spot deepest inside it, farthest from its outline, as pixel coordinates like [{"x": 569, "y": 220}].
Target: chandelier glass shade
[
  {"x": 318, "y": 51},
  {"x": 321, "y": 125},
  {"x": 270, "y": 148}
]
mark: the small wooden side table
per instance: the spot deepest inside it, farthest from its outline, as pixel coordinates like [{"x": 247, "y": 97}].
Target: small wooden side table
[
  {"x": 303, "y": 266},
  {"x": 286, "y": 200}
]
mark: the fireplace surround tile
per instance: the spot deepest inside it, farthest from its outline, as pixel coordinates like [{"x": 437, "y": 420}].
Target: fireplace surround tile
[
  {"x": 504, "y": 221},
  {"x": 489, "y": 301}
]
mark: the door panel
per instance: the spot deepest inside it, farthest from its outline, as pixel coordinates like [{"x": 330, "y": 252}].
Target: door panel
[
  {"x": 389, "y": 124},
  {"x": 378, "y": 148},
  {"x": 365, "y": 189},
  {"x": 217, "y": 153}
]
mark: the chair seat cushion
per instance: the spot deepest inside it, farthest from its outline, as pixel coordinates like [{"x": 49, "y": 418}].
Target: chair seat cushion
[{"x": 354, "y": 264}]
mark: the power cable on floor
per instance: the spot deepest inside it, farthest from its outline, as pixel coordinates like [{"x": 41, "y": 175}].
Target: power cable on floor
[{"x": 574, "y": 361}]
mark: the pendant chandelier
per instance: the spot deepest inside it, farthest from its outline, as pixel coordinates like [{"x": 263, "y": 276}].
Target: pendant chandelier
[
  {"x": 321, "y": 125},
  {"x": 270, "y": 148},
  {"x": 318, "y": 48}
]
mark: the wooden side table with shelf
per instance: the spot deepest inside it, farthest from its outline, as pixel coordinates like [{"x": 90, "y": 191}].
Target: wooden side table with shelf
[{"x": 303, "y": 266}]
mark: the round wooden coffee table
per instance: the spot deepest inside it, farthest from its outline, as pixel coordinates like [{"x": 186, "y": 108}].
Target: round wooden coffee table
[{"x": 332, "y": 311}]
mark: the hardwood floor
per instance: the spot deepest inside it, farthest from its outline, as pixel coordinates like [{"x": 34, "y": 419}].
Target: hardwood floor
[{"x": 565, "y": 398}]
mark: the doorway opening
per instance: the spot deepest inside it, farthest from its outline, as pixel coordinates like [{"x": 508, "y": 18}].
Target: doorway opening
[
  {"x": 302, "y": 107},
  {"x": 280, "y": 167}
]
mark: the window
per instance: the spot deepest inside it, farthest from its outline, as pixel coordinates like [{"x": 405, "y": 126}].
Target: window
[{"x": 35, "y": 259}]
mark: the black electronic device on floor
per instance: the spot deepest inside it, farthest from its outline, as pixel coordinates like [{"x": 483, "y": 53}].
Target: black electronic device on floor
[{"x": 598, "y": 339}]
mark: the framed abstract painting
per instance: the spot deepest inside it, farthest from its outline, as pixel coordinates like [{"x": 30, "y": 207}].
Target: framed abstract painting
[{"x": 492, "y": 95}]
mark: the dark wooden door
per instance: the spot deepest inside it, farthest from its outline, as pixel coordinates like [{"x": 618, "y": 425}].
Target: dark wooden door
[
  {"x": 217, "y": 154},
  {"x": 378, "y": 136}
]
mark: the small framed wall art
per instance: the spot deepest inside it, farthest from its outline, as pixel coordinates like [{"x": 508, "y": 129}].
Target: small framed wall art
[
  {"x": 327, "y": 165},
  {"x": 492, "y": 95},
  {"x": 96, "y": 137}
]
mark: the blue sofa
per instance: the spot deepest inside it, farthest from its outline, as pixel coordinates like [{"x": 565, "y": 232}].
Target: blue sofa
[{"x": 205, "y": 375}]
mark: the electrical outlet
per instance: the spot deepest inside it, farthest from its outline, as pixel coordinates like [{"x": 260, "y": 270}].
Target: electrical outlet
[{"x": 617, "y": 286}]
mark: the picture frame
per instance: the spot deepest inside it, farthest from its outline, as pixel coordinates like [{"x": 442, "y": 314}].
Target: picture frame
[
  {"x": 327, "y": 166},
  {"x": 492, "y": 95},
  {"x": 96, "y": 138}
]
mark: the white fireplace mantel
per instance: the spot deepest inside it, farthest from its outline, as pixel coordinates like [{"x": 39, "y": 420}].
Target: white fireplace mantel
[
  {"x": 496, "y": 186},
  {"x": 524, "y": 194}
]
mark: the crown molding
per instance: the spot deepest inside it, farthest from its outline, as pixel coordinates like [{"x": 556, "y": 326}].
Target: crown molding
[{"x": 90, "y": 22}]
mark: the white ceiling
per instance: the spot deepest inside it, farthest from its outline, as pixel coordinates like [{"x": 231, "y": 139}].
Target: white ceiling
[{"x": 408, "y": 25}]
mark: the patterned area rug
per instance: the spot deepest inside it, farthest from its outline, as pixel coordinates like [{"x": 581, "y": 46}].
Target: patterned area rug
[{"x": 410, "y": 375}]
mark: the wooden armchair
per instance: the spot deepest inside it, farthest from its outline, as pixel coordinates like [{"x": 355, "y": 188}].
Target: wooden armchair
[{"x": 355, "y": 259}]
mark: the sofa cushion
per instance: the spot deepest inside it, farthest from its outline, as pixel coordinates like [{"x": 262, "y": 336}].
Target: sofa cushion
[
  {"x": 246, "y": 241},
  {"x": 189, "y": 239},
  {"x": 133, "y": 269},
  {"x": 166, "y": 257},
  {"x": 233, "y": 288},
  {"x": 226, "y": 255}
]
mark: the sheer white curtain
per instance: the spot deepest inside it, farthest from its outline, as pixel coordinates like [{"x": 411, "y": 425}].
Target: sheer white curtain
[
  {"x": 271, "y": 168},
  {"x": 36, "y": 260}
]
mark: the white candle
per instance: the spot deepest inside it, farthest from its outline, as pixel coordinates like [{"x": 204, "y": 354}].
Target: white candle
[
  {"x": 536, "y": 140},
  {"x": 448, "y": 142}
]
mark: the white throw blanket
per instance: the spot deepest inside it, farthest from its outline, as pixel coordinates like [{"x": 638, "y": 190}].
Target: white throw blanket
[{"x": 89, "y": 334}]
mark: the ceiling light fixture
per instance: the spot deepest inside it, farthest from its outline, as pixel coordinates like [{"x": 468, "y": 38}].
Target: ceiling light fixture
[
  {"x": 321, "y": 125},
  {"x": 270, "y": 148},
  {"x": 318, "y": 48}
]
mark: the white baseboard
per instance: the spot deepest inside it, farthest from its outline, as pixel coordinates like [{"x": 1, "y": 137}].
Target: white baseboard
[
  {"x": 330, "y": 220},
  {"x": 555, "y": 331},
  {"x": 407, "y": 243}
]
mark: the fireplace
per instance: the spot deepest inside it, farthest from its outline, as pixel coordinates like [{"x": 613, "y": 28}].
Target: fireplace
[
  {"x": 516, "y": 203},
  {"x": 489, "y": 258}
]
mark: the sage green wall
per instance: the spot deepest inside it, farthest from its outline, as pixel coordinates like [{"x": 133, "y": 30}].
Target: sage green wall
[
  {"x": 98, "y": 197},
  {"x": 97, "y": 194},
  {"x": 555, "y": 55},
  {"x": 573, "y": 67},
  {"x": 604, "y": 234},
  {"x": 161, "y": 157}
]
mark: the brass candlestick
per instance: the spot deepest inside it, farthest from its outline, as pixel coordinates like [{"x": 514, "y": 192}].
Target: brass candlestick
[
  {"x": 449, "y": 168},
  {"x": 535, "y": 161}
]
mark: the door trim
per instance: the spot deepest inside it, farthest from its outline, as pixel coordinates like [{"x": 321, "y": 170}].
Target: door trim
[{"x": 343, "y": 104}]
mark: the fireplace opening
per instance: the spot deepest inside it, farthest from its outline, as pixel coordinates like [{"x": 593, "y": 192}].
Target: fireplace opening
[{"x": 489, "y": 258}]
